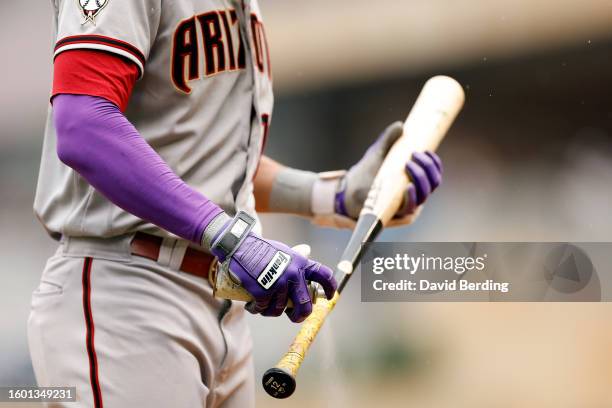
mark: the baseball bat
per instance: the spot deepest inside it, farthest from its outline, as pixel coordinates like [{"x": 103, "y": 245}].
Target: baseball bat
[{"x": 434, "y": 111}]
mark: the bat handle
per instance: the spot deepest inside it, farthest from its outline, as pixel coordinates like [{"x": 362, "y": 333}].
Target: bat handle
[
  {"x": 225, "y": 287},
  {"x": 279, "y": 381}
]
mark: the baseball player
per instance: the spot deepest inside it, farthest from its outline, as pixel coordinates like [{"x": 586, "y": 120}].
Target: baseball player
[{"x": 151, "y": 172}]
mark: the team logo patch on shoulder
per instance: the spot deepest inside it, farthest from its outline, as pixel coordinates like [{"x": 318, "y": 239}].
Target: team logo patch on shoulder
[{"x": 91, "y": 9}]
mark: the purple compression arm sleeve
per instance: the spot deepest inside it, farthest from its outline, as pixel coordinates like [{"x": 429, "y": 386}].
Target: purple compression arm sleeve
[{"x": 96, "y": 140}]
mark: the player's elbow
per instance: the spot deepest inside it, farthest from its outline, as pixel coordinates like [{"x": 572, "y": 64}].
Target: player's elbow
[
  {"x": 68, "y": 147},
  {"x": 72, "y": 119}
]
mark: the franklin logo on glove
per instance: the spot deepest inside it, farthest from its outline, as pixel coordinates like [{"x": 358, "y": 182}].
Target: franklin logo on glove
[{"x": 274, "y": 270}]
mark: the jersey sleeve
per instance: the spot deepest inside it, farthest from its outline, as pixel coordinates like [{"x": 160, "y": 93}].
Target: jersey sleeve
[
  {"x": 124, "y": 27},
  {"x": 94, "y": 73}
]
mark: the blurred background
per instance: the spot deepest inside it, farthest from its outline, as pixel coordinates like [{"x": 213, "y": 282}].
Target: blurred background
[{"x": 529, "y": 159}]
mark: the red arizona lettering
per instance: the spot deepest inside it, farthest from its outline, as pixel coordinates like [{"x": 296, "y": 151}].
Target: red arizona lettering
[{"x": 221, "y": 44}]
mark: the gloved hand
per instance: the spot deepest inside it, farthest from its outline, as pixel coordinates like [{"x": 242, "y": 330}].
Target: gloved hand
[
  {"x": 269, "y": 270},
  {"x": 424, "y": 170}
]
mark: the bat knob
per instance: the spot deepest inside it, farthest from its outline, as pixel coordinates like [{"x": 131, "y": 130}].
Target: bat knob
[{"x": 278, "y": 383}]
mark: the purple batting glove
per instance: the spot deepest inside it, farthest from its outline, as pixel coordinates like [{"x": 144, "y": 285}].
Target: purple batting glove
[
  {"x": 425, "y": 172},
  {"x": 354, "y": 187},
  {"x": 270, "y": 271}
]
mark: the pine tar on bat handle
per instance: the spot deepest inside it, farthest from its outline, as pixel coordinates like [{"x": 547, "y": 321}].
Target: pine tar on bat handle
[{"x": 426, "y": 125}]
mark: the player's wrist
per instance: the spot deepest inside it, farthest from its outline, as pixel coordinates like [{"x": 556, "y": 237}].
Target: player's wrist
[
  {"x": 291, "y": 191},
  {"x": 330, "y": 201},
  {"x": 306, "y": 193},
  {"x": 326, "y": 191},
  {"x": 212, "y": 230},
  {"x": 231, "y": 235}
]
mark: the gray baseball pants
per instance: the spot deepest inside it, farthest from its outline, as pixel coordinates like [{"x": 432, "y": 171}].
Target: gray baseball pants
[{"x": 131, "y": 332}]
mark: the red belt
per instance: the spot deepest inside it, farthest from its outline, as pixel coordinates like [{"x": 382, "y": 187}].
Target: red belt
[{"x": 195, "y": 262}]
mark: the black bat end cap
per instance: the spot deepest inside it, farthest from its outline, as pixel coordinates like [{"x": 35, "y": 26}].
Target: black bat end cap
[{"x": 278, "y": 383}]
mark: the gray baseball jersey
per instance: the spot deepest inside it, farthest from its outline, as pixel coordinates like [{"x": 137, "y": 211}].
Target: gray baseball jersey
[
  {"x": 203, "y": 102},
  {"x": 125, "y": 330}
]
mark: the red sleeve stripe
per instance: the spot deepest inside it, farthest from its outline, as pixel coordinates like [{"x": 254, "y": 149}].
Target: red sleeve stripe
[
  {"x": 96, "y": 73},
  {"x": 99, "y": 42}
]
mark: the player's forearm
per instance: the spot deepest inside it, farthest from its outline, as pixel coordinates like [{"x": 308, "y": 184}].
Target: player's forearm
[
  {"x": 97, "y": 140},
  {"x": 283, "y": 189},
  {"x": 267, "y": 171}
]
